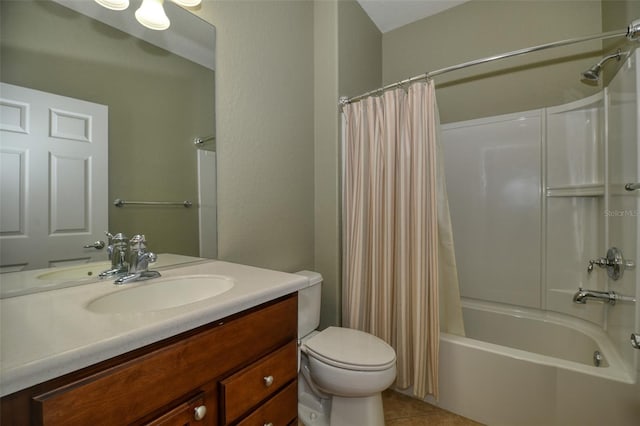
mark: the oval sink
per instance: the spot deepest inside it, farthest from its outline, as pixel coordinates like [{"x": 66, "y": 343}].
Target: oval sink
[{"x": 162, "y": 293}]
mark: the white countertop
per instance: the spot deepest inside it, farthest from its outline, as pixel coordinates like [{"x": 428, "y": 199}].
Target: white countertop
[{"x": 45, "y": 335}]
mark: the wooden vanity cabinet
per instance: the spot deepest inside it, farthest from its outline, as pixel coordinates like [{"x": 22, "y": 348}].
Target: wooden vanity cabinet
[{"x": 241, "y": 369}]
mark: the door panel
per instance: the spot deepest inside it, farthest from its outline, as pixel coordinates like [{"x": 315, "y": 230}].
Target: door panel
[{"x": 53, "y": 195}]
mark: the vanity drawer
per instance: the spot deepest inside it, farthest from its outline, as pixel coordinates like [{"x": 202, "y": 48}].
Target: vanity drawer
[
  {"x": 192, "y": 412},
  {"x": 246, "y": 388},
  {"x": 278, "y": 411}
]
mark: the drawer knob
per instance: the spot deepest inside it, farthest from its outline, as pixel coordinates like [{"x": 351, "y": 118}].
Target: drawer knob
[
  {"x": 268, "y": 424},
  {"x": 199, "y": 412},
  {"x": 268, "y": 380}
]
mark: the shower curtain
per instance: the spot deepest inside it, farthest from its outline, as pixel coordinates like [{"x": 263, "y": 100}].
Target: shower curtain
[{"x": 399, "y": 274}]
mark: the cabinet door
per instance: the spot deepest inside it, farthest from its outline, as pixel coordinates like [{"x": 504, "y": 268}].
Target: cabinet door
[
  {"x": 281, "y": 410},
  {"x": 257, "y": 382},
  {"x": 190, "y": 413}
]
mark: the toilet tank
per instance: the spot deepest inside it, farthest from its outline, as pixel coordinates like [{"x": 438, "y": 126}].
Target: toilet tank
[{"x": 309, "y": 303}]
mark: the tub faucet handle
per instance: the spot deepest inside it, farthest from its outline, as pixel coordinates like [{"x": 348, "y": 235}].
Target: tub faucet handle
[
  {"x": 614, "y": 262},
  {"x": 601, "y": 262}
]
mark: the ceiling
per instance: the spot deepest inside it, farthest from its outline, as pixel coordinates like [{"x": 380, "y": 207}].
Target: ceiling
[{"x": 392, "y": 14}]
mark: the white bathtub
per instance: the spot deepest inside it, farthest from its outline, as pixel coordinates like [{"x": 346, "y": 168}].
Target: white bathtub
[{"x": 525, "y": 367}]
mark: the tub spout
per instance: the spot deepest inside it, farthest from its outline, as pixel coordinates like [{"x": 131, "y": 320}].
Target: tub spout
[{"x": 582, "y": 296}]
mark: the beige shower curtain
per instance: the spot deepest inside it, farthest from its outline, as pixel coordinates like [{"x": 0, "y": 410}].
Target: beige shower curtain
[{"x": 399, "y": 273}]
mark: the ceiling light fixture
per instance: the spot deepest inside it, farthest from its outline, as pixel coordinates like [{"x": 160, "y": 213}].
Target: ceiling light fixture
[
  {"x": 187, "y": 3},
  {"x": 114, "y": 4},
  {"x": 151, "y": 13}
]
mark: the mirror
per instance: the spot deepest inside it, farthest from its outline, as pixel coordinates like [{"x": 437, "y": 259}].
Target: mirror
[{"x": 158, "y": 90}]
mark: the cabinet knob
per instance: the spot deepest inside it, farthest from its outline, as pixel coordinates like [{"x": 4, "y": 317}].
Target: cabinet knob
[
  {"x": 268, "y": 381},
  {"x": 199, "y": 412},
  {"x": 268, "y": 424}
]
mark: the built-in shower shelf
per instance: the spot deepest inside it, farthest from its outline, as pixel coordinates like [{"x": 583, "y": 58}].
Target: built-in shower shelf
[{"x": 587, "y": 190}]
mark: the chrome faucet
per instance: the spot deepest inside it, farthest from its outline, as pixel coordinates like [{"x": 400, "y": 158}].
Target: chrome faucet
[
  {"x": 138, "y": 262},
  {"x": 614, "y": 263},
  {"x": 582, "y": 296},
  {"x": 117, "y": 251}
]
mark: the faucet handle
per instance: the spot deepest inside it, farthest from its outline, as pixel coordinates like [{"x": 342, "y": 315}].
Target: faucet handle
[
  {"x": 601, "y": 262},
  {"x": 613, "y": 262},
  {"x": 117, "y": 238},
  {"x": 114, "y": 240},
  {"x": 109, "y": 243},
  {"x": 138, "y": 242}
]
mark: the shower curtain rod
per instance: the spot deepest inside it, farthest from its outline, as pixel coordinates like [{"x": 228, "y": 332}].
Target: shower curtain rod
[{"x": 632, "y": 33}]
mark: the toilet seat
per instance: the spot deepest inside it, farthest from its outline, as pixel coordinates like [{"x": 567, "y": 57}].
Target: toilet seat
[{"x": 351, "y": 350}]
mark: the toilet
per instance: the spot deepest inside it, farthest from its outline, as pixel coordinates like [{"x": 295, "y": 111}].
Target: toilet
[{"x": 342, "y": 371}]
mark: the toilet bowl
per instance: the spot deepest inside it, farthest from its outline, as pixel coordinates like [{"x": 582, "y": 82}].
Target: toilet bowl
[{"x": 342, "y": 371}]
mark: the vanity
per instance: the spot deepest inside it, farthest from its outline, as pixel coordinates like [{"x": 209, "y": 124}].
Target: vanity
[
  {"x": 210, "y": 342},
  {"x": 226, "y": 359}
]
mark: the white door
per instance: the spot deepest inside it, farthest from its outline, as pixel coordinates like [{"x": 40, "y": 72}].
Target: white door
[{"x": 53, "y": 179}]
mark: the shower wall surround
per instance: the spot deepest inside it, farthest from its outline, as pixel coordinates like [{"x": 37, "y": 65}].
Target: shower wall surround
[
  {"x": 526, "y": 198},
  {"x": 535, "y": 195},
  {"x": 622, "y": 211},
  {"x": 573, "y": 194},
  {"x": 493, "y": 168}
]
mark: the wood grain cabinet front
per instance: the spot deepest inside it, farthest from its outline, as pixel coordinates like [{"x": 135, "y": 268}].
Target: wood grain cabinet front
[
  {"x": 257, "y": 382},
  {"x": 195, "y": 378},
  {"x": 281, "y": 410},
  {"x": 190, "y": 413}
]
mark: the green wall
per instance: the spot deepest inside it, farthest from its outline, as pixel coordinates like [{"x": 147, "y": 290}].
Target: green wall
[
  {"x": 618, "y": 14},
  {"x": 326, "y": 173},
  {"x": 158, "y": 102},
  {"x": 359, "y": 50},
  {"x": 278, "y": 80},
  {"x": 483, "y": 28},
  {"x": 265, "y": 131}
]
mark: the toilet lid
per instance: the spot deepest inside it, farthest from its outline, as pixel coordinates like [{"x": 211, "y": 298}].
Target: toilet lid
[{"x": 351, "y": 349}]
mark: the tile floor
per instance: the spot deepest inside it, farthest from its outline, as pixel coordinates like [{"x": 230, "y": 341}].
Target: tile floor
[{"x": 401, "y": 410}]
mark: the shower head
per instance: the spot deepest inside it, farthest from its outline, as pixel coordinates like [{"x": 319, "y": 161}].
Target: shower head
[{"x": 592, "y": 75}]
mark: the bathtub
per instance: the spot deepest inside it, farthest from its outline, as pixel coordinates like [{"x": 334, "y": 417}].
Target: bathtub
[{"x": 521, "y": 366}]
